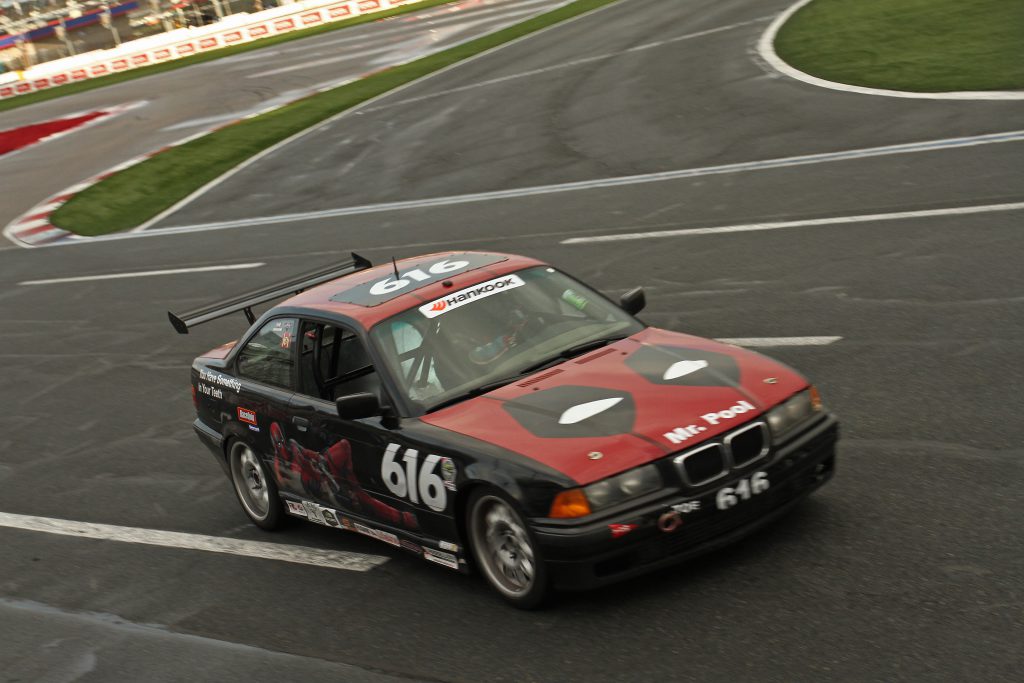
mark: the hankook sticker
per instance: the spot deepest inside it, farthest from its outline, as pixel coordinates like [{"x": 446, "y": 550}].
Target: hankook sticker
[{"x": 471, "y": 294}]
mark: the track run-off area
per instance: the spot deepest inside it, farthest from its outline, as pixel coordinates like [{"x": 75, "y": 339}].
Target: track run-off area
[{"x": 873, "y": 243}]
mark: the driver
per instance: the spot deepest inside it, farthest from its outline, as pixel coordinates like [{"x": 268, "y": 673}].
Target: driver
[{"x": 486, "y": 340}]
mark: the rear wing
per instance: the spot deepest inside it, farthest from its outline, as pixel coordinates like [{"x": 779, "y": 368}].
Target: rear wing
[{"x": 244, "y": 302}]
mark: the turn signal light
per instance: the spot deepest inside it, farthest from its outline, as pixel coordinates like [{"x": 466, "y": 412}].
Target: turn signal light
[
  {"x": 571, "y": 503},
  {"x": 815, "y": 398}
]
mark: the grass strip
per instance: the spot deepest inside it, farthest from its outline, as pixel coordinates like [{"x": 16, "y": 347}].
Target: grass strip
[
  {"x": 131, "y": 197},
  {"x": 209, "y": 56},
  {"x": 911, "y": 45}
]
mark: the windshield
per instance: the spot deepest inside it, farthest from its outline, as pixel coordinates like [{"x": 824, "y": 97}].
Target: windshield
[{"x": 494, "y": 332}]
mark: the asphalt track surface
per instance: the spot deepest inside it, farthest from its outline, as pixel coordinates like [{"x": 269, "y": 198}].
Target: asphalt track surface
[
  {"x": 185, "y": 102},
  {"x": 907, "y": 566}
]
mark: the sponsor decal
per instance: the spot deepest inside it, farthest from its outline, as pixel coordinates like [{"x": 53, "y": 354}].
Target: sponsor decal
[
  {"x": 253, "y": 429},
  {"x": 330, "y": 517},
  {"x": 379, "y": 534},
  {"x": 217, "y": 378},
  {"x": 186, "y": 49},
  {"x": 311, "y": 18},
  {"x": 162, "y": 54},
  {"x": 339, "y": 11},
  {"x": 246, "y": 415},
  {"x": 313, "y": 512},
  {"x": 621, "y": 529},
  {"x": 411, "y": 547},
  {"x": 587, "y": 410},
  {"x": 206, "y": 43},
  {"x": 139, "y": 59},
  {"x": 296, "y": 508},
  {"x": 681, "y": 434},
  {"x": 442, "y": 558},
  {"x": 284, "y": 24},
  {"x": 346, "y": 523},
  {"x": 448, "y": 545},
  {"x": 470, "y": 294},
  {"x": 258, "y": 31},
  {"x": 714, "y": 418},
  {"x": 448, "y": 473},
  {"x": 672, "y": 519}
]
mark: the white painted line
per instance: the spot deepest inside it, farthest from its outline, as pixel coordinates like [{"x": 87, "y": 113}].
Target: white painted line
[
  {"x": 783, "y": 162},
  {"x": 779, "y": 341},
  {"x": 334, "y": 559},
  {"x": 813, "y": 222},
  {"x": 766, "y": 50},
  {"x": 368, "y": 103},
  {"x": 145, "y": 273}
]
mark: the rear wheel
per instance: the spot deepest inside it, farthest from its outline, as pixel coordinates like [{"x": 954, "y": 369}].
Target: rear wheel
[
  {"x": 254, "y": 487},
  {"x": 505, "y": 549}
]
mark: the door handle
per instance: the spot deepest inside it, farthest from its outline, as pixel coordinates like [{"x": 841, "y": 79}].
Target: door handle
[{"x": 301, "y": 423}]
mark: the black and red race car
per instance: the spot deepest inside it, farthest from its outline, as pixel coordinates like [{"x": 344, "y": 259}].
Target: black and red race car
[{"x": 488, "y": 408}]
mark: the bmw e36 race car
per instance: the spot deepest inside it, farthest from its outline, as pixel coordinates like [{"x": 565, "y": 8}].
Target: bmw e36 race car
[{"x": 486, "y": 408}]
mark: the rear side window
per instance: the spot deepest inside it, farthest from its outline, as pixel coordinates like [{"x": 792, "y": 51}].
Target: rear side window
[{"x": 269, "y": 357}]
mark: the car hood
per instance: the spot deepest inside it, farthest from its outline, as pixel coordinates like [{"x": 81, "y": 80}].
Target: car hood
[{"x": 626, "y": 404}]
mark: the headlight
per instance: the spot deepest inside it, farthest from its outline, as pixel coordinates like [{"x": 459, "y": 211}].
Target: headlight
[
  {"x": 796, "y": 410},
  {"x": 635, "y": 482}
]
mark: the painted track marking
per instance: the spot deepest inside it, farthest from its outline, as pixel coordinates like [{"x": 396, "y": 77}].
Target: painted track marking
[
  {"x": 813, "y": 222},
  {"x": 779, "y": 341},
  {"x": 144, "y": 273},
  {"x": 766, "y": 164},
  {"x": 333, "y": 559}
]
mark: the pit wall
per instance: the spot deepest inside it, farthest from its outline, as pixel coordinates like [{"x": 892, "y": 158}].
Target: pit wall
[{"x": 184, "y": 42}]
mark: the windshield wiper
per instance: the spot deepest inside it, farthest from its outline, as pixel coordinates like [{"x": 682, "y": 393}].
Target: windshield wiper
[
  {"x": 475, "y": 391},
  {"x": 571, "y": 352}
]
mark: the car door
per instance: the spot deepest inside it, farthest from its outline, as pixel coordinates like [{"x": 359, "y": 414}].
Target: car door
[
  {"x": 341, "y": 459},
  {"x": 266, "y": 368}
]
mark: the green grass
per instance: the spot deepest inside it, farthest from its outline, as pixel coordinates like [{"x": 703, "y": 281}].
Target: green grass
[
  {"x": 129, "y": 198},
  {"x": 912, "y": 45},
  {"x": 132, "y": 74}
]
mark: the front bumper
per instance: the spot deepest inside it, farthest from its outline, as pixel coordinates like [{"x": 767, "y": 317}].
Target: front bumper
[{"x": 581, "y": 556}]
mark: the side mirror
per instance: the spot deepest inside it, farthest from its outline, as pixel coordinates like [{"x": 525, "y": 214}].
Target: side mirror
[
  {"x": 633, "y": 301},
  {"x": 358, "y": 406}
]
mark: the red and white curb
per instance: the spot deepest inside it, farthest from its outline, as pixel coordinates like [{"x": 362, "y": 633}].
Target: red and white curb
[{"x": 34, "y": 228}]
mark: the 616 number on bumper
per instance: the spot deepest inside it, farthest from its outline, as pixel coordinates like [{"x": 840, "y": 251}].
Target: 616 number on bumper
[{"x": 729, "y": 496}]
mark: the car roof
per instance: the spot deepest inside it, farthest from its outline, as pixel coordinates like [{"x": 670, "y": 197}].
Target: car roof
[{"x": 351, "y": 296}]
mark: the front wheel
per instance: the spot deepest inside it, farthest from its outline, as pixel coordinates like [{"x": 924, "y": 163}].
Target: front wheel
[
  {"x": 254, "y": 487},
  {"x": 505, "y": 550}
]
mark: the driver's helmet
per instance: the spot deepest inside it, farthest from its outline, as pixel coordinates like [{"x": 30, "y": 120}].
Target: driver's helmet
[{"x": 487, "y": 341}]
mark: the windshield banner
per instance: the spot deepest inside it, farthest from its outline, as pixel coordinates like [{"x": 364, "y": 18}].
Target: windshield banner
[{"x": 465, "y": 296}]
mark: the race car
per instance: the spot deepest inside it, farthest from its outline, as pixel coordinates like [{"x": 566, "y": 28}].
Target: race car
[{"x": 489, "y": 410}]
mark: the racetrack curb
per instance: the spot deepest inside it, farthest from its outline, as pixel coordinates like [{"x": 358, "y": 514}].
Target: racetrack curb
[{"x": 766, "y": 50}]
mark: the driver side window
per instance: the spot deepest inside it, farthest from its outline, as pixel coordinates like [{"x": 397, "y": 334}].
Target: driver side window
[{"x": 333, "y": 362}]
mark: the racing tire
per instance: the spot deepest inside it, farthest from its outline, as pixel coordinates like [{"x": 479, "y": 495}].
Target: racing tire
[
  {"x": 505, "y": 549},
  {"x": 254, "y": 487}
]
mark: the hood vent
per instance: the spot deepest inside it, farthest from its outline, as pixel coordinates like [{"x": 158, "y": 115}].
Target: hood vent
[
  {"x": 539, "y": 378},
  {"x": 594, "y": 356}
]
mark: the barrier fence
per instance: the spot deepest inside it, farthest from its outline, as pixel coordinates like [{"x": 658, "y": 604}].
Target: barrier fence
[{"x": 233, "y": 30}]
